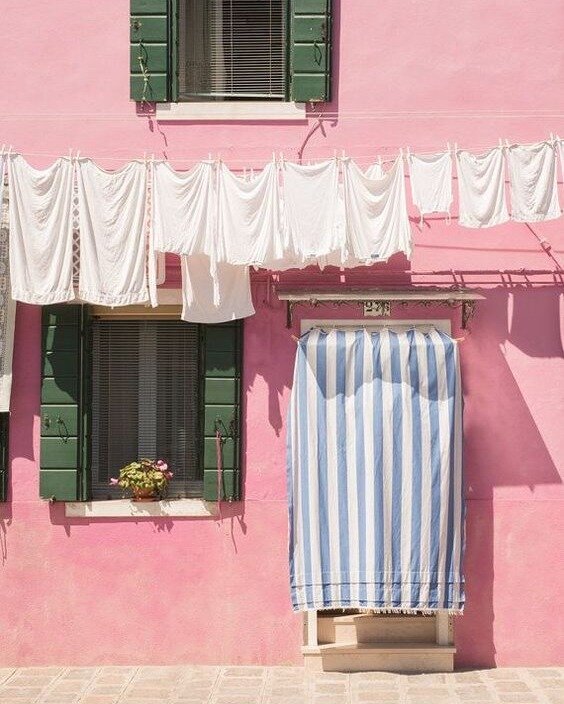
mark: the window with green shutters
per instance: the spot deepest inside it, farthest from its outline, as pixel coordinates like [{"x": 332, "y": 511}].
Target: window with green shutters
[
  {"x": 115, "y": 390},
  {"x": 197, "y": 50}
]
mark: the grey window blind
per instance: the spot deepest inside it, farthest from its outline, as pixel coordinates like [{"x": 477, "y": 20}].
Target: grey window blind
[
  {"x": 145, "y": 381},
  {"x": 232, "y": 49}
]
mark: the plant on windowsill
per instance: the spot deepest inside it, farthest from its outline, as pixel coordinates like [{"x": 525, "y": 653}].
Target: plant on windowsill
[{"x": 147, "y": 479}]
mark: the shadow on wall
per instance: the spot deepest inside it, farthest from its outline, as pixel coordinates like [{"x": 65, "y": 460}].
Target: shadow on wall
[{"x": 498, "y": 452}]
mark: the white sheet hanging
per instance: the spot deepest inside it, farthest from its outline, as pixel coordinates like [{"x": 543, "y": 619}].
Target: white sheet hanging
[
  {"x": 250, "y": 218},
  {"x": 534, "y": 182},
  {"x": 377, "y": 224},
  {"x": 113, "y": 246},
  {"x": 311, "y": 211},
  {"x": 185, "y": 209},
  {"x": 431, "y": 182},
  {"x": 214, "y": 293},
  {"x": 481, "y": 188},
  {"x": 7, "y": 304},
  {"x": 41, "y": 231}
]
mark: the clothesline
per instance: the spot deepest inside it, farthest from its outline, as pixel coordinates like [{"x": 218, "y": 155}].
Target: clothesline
[
  {"x": 220, "y": 154},
  {"x": 282, "y": 216}
]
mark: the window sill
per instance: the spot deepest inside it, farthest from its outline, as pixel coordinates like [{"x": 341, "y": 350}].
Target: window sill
[
  {"x": 231, "y": 111},
  {"x": 125, "y": 508}
]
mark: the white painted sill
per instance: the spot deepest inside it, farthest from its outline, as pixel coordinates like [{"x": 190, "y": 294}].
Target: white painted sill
[
  {"x": 125, "y": 508},
  {"x": 231, "y": 111}
]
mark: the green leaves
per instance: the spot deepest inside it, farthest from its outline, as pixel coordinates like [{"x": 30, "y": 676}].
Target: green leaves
[{"x": 152, "y": 475}]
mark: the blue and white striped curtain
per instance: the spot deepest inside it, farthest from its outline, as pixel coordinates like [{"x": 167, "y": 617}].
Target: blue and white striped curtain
[{"x": 375, "y": 472}]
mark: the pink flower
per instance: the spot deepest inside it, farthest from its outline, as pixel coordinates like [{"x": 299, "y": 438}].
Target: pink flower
[
  {"x": 162, "y": 466},
  {"x": 114, "y": 481},
  {"x": 168, "y": 475}
]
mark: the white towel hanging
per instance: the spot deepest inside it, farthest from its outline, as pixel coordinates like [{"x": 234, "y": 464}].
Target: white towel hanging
[
  {"x": 113, "y": 247},
  {"x": 481, "y": 188},
  {"x": 41, "y": 237},
  {"x": 534, "y": 182}
]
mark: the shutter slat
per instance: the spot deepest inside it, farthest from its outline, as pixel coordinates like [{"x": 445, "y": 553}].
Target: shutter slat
[
  {"x": 310, "y": 50},
  {"x": 221, "y": 407},
  {"x": 64, "y": 403},
  {"x": 149, "y": 50}
]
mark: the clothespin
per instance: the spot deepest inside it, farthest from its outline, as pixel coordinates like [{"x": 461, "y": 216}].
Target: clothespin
[
  {"x": 281, "y": 158},
  {"x": 407, "y": 152},
  {"x": 70, "y": 154}
]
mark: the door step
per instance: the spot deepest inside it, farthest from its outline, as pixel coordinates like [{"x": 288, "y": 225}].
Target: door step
[
  {"x": 368, "y": 628},
  {"x": 388, "y": 657}
]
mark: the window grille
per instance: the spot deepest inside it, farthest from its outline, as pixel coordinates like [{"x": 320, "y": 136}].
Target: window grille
[{"x": 232, "y": 49}]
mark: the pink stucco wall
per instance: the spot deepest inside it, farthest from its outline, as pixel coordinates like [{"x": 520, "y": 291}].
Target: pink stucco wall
[{"x": 195, "y": 590}]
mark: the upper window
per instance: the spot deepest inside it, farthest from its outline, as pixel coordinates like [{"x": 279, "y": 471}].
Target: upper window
[
  {"x": 230, "y": 49},
  {"x": 209, "y": 50}
]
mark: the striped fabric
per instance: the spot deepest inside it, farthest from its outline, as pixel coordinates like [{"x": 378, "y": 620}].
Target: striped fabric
[{"x": 375, "y": 472}]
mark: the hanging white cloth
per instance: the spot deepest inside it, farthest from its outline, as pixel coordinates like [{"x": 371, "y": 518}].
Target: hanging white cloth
[
  {"x": 41, "y": 231},
  {"x": 185, "y": 209},
  {"x": 113, "y": 246},
  {"x": 481, "y": 188},
  {"x": 534, "y": 182},
  {"x": 311, "y": 210},
  {"x": 214, "y": 293},
  {"x": 431, "y": 182},
  {"x": 377, "y": 223},
  {"x": 7, "y": 304},
  {"x": 250, "y": 217}
]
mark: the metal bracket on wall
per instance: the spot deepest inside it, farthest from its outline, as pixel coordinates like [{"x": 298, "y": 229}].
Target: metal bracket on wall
[{"x": 378, "y": 302}]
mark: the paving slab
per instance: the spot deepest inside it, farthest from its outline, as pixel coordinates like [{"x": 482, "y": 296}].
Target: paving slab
[{"x": 274, "y": 685}]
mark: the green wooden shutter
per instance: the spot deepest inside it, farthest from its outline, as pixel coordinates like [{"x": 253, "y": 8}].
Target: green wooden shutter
[
  {"x": 4, "y": 425},
  {"x": 64, "y": 403},
  {"x": 310, "y": 50},
  {"x": 150, "y": 42},
  {"x": 221, "y": 407}
]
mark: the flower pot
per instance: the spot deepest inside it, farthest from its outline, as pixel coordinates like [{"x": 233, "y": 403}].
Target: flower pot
[{"x": 144, "y": 494}]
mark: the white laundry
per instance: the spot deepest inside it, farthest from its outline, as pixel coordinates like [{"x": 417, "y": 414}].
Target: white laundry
[
  {"x": 431, "y": 182},
  {"x": 113, "y": 243},
  {"x": 377, "y": 223},
  {"x": 250, "y": 218},
  {"x": 7, "y": 304},
  {"x": 311, "y": 211},
  {"x": 534, "y": 182},
  {"x": 185, "y": 209},
  {"x": 41, "y": 231},
  {"x": 214, "y": 293},
  {"x": 481, "y": 188}
]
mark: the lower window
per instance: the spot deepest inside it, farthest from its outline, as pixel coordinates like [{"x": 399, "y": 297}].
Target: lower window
[
  {"x": 118, "y": 386},
  {"x": 145, "y": 391}
]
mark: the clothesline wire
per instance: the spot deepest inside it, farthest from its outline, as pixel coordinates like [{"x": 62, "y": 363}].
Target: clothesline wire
[{"x": 370, "y": 158}]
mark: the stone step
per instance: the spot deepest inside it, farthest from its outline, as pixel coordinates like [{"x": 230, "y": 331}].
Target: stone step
[
  {"x": 376, "y": 628},
  {"x": 388, "y": 657}
]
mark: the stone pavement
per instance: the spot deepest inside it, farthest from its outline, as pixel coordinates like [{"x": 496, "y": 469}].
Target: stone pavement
[{"x": 273, "y": 685}]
